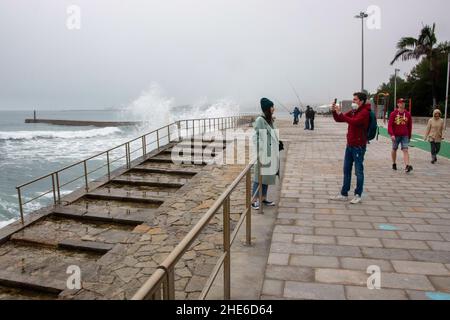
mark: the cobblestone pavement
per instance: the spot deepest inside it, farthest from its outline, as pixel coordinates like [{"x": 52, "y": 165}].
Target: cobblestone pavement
[{"x": 322, "y": 249}]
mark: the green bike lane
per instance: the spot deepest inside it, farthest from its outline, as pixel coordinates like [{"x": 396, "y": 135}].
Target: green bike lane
[{"x": 417, "y": 142}]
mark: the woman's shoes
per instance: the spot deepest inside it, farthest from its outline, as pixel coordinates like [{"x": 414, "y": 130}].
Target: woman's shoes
[
  {"x": 269, "y": 203},
  {"x": 256, "y": 205}
]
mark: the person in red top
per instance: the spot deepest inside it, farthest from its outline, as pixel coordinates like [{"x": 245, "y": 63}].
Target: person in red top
[
  {"x": 358, "y": 124},
  {"x": 400, "y": 130}
]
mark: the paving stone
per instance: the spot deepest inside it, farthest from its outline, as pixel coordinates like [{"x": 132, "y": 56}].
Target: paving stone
[
  {"x": 386, "y": 254},
  {"x": 353, "y": 225},
  {"x": 359, "y": 242},
  {"x": 314, "y": 261},
  {"x": 377, "y": 234},
  {"x": 273, "y": 288},
  {"x": 293, "y": 230},
  {"x": 282, "y": 237},
  {"x": 337, "y": 251},
  {"x": 346, "y": 277},
  {"x": 280, "y": 259},
  {"x": 405, "y": 244},
  {"x": 335, "y": 232},
  {"x": 313, "y": 291},
  {"x": 314, "y": 239},
  {"x": 291, "y": 248},
  {"x": 441, "y": 284},
  {"x": 289, "y": 272},
  {"x": 425, "y": 268},
  {"x": 363, "y": 293},
  {"x": 419, "y": 236},
  {"x": 439, "y": 245},
  {"x": 431, "y": 256},
  {"x": 363, "y": 264},
  {"x": 405, "y": 281}
]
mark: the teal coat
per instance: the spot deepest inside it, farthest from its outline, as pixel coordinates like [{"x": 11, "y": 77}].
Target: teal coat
[{"x": 269, "y": 151}]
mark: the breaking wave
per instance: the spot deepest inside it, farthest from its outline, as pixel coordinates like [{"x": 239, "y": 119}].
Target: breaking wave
[{"x": 30, "y": 135}]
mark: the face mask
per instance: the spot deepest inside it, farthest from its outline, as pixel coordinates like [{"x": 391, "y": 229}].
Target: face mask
[{"x": 354, "y": 106}]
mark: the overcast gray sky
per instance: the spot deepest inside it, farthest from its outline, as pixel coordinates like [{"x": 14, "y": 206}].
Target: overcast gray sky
[{"x": 238, "y": 49}]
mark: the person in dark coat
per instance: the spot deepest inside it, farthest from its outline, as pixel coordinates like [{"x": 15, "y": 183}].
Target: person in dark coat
[
  {"x": 297, "y": 115},
  {"x": 307, "y": 116}
]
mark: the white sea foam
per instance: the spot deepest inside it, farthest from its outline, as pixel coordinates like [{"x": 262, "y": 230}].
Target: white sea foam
[
  {"x": 30, "y": 135},
  {"x": 5, "y": 223}
]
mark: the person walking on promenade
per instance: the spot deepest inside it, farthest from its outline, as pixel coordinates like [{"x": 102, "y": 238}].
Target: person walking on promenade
[
  {"x": 312, "y": 116},
  {"x": 297, "y": 115},
  {"x": 435, "y": 134},
  {"x": 269, "y": 153},
  {"x": 400, "y": 131},
  {"x": 358, "y": 121},
  {"x": 307, "y": 118}
]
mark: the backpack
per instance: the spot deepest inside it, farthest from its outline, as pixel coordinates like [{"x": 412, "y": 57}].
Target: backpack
[{"x": 373, "y": 130}]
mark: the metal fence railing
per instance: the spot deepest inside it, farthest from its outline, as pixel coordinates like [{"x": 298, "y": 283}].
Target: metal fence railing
[
  {"x": 81, "y": 174},
  {"x": 161, "y": 285}
]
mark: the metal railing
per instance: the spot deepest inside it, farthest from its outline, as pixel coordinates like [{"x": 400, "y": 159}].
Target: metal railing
[
  {"x": 161, "y": 285},
  {"x": 127, "y": 153}
]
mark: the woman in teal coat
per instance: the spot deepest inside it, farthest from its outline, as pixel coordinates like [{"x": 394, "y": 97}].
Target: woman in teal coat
[{"x": 266, "y": 134}]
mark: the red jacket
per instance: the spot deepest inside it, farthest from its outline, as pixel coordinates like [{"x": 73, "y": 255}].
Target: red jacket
[
  {"x": 400, "y": 124},
  {"x": 358, "y": 125}
]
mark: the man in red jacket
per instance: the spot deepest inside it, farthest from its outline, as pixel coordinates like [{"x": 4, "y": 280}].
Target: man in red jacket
[
  {"x": 400, "y": 130},
  {"x": 358, "y": 125}
]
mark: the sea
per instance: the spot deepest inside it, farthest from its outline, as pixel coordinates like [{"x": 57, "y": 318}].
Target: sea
[{"x": 29, "y": 151}]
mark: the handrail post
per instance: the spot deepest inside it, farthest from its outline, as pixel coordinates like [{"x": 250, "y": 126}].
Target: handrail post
[
  {"x": 144, "y": 146},
  {"x": 171, "y": 284},
  {"x": 168, "y": 133},
  {"x": 248, "y": 210},
  {"x": 54, "y": 189},
  {"x": 193, "y": 128},
  {"x": 58, "y": 187},
  {"x": 226, "y": 249},
  {"x": 157, "y": 139},
  {"x": 85, "y": 176},
  {"x": 20, "y": 206},
  {"x": 108, "y": 164},
  {"x": 179, "y": 130}
]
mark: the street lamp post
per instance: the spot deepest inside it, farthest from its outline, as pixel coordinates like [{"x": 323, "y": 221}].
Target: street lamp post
[
  {"x": 395, "y": 87},
  {"x": 362, "y": 15}
]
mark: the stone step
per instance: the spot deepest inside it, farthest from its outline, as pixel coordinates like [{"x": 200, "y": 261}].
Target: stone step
[
  {"x": 89, "y": 246},
  {"x": 39, "y": 284},
  {"x": 52, "y": 231},
  {"x": 148, "y": 183},
  {"x": 115, "y": 217},
  {"x": 164, "y": 171},
  {"x": 42, "y": 269},
  {"x": 105, "y": 196},
  {"x": 154, "y": 177},
  {"x": 136, "y": 191}
]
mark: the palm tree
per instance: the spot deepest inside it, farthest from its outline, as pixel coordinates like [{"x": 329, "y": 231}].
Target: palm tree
[{"x": 424, "y": 46}]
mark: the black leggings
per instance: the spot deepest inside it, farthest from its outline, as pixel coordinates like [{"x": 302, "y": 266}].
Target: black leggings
[{"x": 435, "y": 148}]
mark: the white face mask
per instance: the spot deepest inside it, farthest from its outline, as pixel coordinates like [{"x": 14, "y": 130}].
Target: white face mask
[{"x": 354, "y": 106}]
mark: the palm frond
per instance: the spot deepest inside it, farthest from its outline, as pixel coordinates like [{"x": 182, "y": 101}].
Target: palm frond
[{"x": 407, "y": 43}]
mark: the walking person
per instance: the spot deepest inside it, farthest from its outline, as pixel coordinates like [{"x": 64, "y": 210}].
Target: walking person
[
  {"x": 297, "y": 115},
  {"x": 307, "y": 118},
  {"x": 400, "y": 130},
  {"x": 269, "y": 153},
  {"x": 358, "y": 121},
  {"x": 435, "y": 134},
  {"x": 312, "y": 117}
]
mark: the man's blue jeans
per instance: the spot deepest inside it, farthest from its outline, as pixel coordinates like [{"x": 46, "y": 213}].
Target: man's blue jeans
[
  {"x": 307, "y": 127},
  {"x": 354, "y": 155}
]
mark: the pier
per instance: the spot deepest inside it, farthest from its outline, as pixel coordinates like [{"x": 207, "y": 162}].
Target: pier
[{"x": 83, "y": 123}]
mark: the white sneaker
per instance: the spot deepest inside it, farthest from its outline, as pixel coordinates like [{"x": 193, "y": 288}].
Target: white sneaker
[
  {"x": 339, "y": 197},
  {"x": 356, "y": 200}
]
